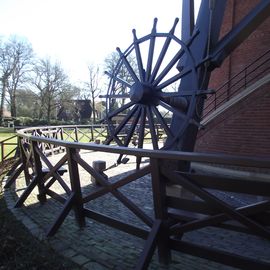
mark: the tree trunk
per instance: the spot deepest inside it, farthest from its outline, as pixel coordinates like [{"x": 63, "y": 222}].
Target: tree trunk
[
  {"x": 3, "y": 95},
  {"x": 49, "y": 112},
  {"x": 94, "y": 112},
  {"x": 13, "y": 106}
]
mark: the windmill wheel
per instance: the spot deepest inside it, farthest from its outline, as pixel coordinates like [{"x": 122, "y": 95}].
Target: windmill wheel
[{"x": 143, "y": 95}]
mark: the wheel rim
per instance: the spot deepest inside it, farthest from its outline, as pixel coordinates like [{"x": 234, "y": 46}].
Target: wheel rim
[{"x": 141, "y": 105}]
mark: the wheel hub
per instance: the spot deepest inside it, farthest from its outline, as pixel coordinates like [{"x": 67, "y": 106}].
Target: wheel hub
[{"x": 144, "y": 94}]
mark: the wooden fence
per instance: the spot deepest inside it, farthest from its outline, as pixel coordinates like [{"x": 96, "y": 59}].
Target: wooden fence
[{"x": 173, "y": 216}]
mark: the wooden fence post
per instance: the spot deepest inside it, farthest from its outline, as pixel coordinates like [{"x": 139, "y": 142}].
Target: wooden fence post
[
  {"x": 92, "y": 133},
  {"x": 159, "y": 197},
  {"x": 76, "y": 186},
  {"x": 39, "y": 174},
  {"x": 76, "y": 134},
  {"x": 25, "y": 160}
]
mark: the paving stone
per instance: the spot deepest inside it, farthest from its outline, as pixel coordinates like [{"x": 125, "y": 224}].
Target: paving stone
[
  {"x": 80, "y": 259},
  {"x": 68, "y": 252},
  {"x": 94, "y": 266}
]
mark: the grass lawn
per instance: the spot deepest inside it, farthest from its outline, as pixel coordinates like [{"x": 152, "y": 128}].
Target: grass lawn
[
  {"x": 8, "y": 145},
  {"x": 20, "y": 250}
]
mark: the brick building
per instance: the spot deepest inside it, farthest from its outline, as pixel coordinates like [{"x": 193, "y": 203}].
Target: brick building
[{"x": 237, "y": 118}]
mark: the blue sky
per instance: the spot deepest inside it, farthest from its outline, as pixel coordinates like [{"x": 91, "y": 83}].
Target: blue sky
[{"x": 80, "y": 32}]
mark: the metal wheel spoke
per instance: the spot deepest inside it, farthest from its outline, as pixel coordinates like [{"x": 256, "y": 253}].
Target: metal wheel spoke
[
  {"x": 122, "y": 124},
  {"x": 146, "y": 92},
  {"x": 187, "y": 93},
  {"x": 151, "y": 50},
  {"x": 169, "y": 66},
  {"x": 173, "y": 110},
  {"x": 171, "y": 94},
  {"x": 152, "y": 127},
  {"x": 132, "y": 127},
  {"x": 126, "y": 119},
  {"x": 115, "y": 96},
  {"x": 130, "y": 132},
  {"x": 163, "y": 52},
  {"x": 120, "y": 80},
  {"x": 162, "y": 122},
  {"x": 141, "y": 128},
  {"x": 128, "y": 66},
  {"x": 141, "y": 135},
  {"x": 138, "y": 56},
  {"x": 175, "y": 59},
  {"x": 173, "y": 79},
  {"x": 126, "y": 106}
]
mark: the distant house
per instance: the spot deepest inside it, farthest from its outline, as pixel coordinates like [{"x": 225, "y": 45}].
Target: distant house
[
  {"x": 6, "y": 113},
  {"x": 76, "y": 110}
]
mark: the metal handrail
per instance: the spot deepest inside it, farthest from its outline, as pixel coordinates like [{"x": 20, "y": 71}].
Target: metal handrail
[{"x": 239, "y": 82}]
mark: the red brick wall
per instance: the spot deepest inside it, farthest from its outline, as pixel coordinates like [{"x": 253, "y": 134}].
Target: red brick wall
[
  {"x": 244, "y": 128},
  {"x": 253, "y": 47}
]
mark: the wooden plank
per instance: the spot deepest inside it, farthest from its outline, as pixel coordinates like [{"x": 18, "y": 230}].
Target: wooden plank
[
  {"x": 163, "y": 154},
  {"x": 13, "y": 177},
  {"x": 199, "y": 222},
  {"x": 149, "y": 247},
  {"x": 38, "y": 172},
  {"x": 222, "y": 206},
  {"x": 55, "y": 196},
  {"x": 74, "y": 177},
  {"x": 26, "y": 158},
  {"x": 219, "y": 256},
  {"x": 255, "y": 187},
  {"x": 121, "y": 197},
  {"x": 27, "y": 192},
  {"x": 263, "y": 217},
  {"x": 197, "y": 206},
  {"x": 117, "y": 224},
  {"x": 126, "y": 180},
  {"x": 53, "y": 170},
  {"x": 63, "y": 214},
  {"x": 159, "y": 199}
]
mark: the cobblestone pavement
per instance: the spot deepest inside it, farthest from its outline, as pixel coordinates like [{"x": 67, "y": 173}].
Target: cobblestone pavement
[{"x": 97, "y": 246}]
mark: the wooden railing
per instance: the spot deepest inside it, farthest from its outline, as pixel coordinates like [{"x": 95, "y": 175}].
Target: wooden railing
[{"x": 173, "y": 217}]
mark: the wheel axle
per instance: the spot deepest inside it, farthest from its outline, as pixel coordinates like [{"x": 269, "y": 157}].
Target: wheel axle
[{"x": 143, "y": 94}]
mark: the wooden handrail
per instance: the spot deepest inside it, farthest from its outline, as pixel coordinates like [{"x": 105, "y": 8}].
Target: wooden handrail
[{"x": 160, "y": 154}]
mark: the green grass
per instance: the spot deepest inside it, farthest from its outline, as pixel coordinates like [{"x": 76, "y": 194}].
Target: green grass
[
  {"x": 8, "y": 145},
  {"x": 69, "y": 135},
  {"x": 20, "y": 250},
  {"x": 6, "y": 130},
  {"x": 5, "y": 135}
]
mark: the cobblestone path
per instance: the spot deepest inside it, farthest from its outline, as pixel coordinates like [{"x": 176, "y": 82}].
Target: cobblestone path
[{"x": 100, "y": 247}]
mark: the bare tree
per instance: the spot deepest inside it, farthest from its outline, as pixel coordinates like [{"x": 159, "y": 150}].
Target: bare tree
[
  {"x": 51, "y": 83},
  {"x": 93, "y": 88},
  {"x": 9, "y": 58},
  {"x": 27, "y": 103},
  {"x": 24, "y": 55},
  {"x": 111, "y": 62},
  {"x": 7, "y": 65}
]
